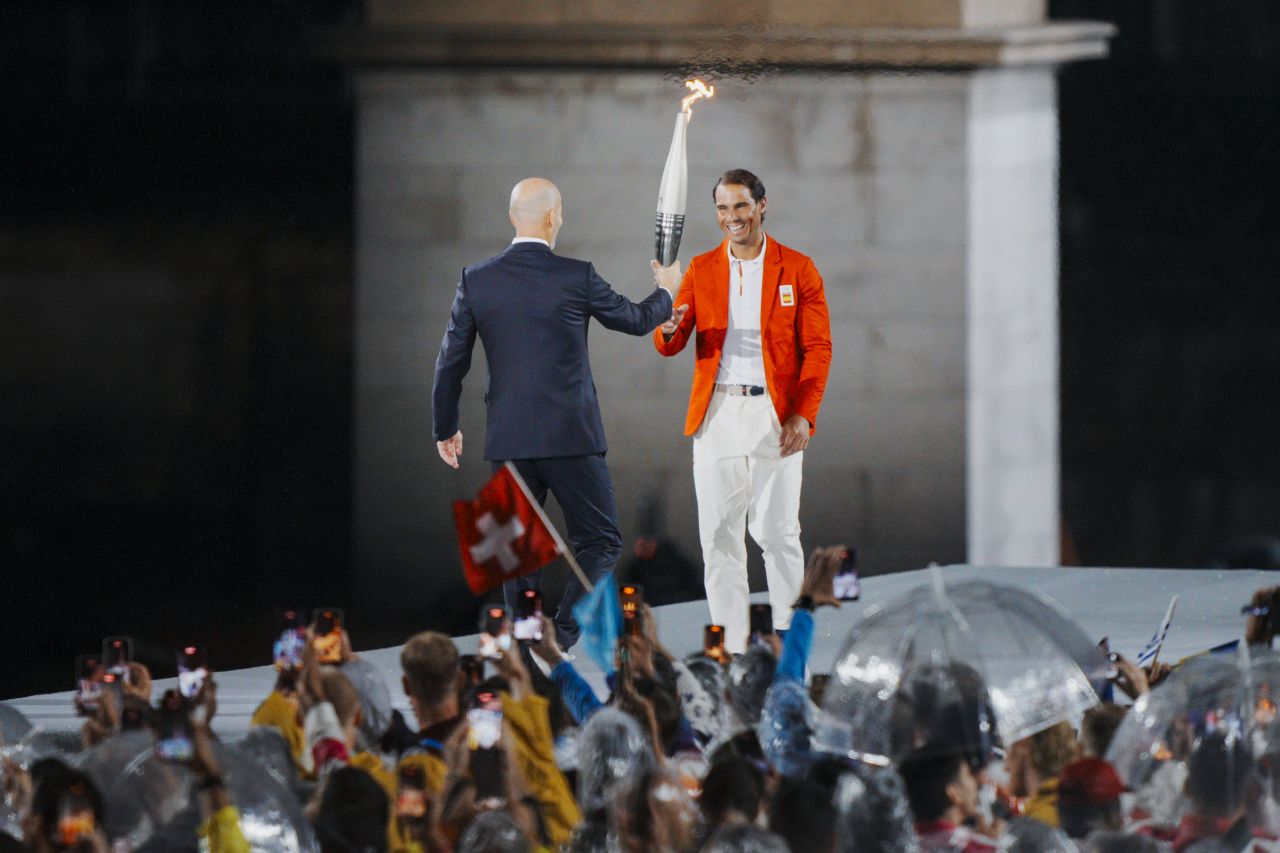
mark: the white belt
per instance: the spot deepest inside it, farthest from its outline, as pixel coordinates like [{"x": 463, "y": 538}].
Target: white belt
[{"x": 740, "y": 390}]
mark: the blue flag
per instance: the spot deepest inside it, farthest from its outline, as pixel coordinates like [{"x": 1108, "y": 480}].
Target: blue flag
[{"x": 600, "y": 617}]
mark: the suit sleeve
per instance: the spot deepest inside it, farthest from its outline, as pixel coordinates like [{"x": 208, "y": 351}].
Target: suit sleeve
[
  {"x": 681, "y": 336},
  {"x": 814, "y": 340},
  {"x": 617, "y": 312},
  {"x": 452, "y": 365}
]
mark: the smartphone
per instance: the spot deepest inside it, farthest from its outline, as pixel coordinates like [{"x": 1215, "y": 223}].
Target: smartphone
[
  {"x": 528, "y": 622},
  {"x": 484, "y": 734},
  {"x": 846, "y": 586},
  {"x": 713, "y": 643},
  {"x": 495, "y": 631},
  {"x": 88, "y": 684},
  {"x": 174, "y": 742},
  {"x": 117, "y": 653},
  {"x": 631, "y": 596},
  {"x": 761, "y": 622},
  {"x": 411, "y": 792},
  {"x": 286, "y": 652},
  {"x": 327, "y": 634},
  {"x": 75, "y": 818},
  {"x": 193, "y": 671}
]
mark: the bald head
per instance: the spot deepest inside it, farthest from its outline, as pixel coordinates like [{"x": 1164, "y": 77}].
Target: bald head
[{"x": 535, "y": 209}]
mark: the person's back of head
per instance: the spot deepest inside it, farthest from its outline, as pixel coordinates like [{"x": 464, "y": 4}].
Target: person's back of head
[
  {"x": 872, "y": 815},
  {"x": 801, "y": 811},
  {"x": 745, "y": 838},
  {"x": 1098, "y": 728},
  {"x": 1052, "y": 749},
  {"x": 732, "y": 788},
  {"x": 926, "y": 781},
  {"x": 1089, "y": 797},
  {"x": 353, "y": 813},
  {"x": 430, "y": 664},
  {"x": 493, "y": 832},
  {"x": 54, "y": 786},
  {"x": 1219, "y": 775}
]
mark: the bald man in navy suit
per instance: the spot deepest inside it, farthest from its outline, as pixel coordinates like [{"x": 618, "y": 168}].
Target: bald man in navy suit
[{"x": 531, "y": 309}]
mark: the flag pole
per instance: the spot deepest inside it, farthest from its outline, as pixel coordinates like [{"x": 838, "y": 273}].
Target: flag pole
[{"x": 555, "y": 534}]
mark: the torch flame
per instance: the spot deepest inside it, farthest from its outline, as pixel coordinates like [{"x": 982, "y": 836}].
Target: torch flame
[{"x": 699, "y": 90}]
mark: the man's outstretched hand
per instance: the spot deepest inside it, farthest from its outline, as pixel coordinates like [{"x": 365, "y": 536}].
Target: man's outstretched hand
[
  {"x": 795, "y": 435},
  {"x": 450, "y": 449}
]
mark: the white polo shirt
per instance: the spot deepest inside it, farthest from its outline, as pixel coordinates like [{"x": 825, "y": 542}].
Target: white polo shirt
[{"x": 741, "y": 358}]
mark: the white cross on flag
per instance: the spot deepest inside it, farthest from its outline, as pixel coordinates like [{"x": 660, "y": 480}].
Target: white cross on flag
[{"x": 503, "y": 534}]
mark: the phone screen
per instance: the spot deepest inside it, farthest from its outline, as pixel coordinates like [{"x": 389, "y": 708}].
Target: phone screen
[
  {"x": 713, "y": 642},
  {"x": 286, "y": 652},
  {"x": 117, "y": 652},
  {"x": 495, "y": 633},
  {"x": 174, "y": 740},
  {"x": 88, "y": 684},
  {"x": 484, "y": 721},
  {"x": 75, "y": 817},
  {"x": 327, "y": 635},
  {"x": 411, "y": 793},
  {"x": 193, "y": 671},
  {"x": 846, "y": 586},
  {"x": 761, "y": 616},
  {"x": 528, "y": 623},
  {"x": 631, "y": 596}
]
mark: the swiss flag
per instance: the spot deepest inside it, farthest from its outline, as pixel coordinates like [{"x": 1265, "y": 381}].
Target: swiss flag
[{"x": 502, "y": 534}]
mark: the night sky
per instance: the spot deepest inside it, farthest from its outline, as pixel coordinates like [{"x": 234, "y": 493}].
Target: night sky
[{"x": 176, "y": 270}]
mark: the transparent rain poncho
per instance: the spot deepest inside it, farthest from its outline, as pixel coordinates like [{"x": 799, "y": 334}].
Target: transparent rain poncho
[
  {"x": 948, "y": 662},
  {"x": 750, "y": 676},
  {"x": 786, "y": 725},
  {"x": 611, "y": 749},
  {"x": 375, "y": 698},
  {"x": 24, "y": 745},
  {"x": 1208, "y": 732},
  {"x": 872, "y": 815},
  {"x": 493, "y": 832},
  {"x": 700, "y": 683},
  {"x": 151, "y": 804},
  {"x": 745, "y": 838}
]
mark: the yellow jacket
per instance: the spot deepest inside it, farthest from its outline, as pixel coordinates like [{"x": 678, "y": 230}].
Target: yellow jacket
[
  {"x": 1043, "y": 804},
  {"x": 278, "y": 712},
  {"x": 221, "y": 832},
  {"x": 535, "y": 756}
]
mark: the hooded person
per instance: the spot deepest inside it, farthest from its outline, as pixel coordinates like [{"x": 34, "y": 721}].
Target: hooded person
[
  {"x": 872, "y": 815},
  {"x": 750, "y": 676},
  {"x": 611, "y": 749}
]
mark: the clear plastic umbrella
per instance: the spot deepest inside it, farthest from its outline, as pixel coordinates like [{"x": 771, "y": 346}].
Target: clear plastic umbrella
[
  {"x": 1210, "y": 729},
  {"x": 152, "y": 804},
  {"x": 23, "y": 744},
  {"x": 953, "y": 667}
]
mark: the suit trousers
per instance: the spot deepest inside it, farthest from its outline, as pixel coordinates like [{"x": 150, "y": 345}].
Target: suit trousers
[
  {"x": 584, "y": 489},
  {"x": 744, "y": 484}
]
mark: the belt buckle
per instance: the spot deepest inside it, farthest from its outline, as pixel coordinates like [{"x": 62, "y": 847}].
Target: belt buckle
[{"x": 752, "y": 390}]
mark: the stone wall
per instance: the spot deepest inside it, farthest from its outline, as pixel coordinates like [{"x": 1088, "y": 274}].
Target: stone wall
[{"x": 927, "y": 201}]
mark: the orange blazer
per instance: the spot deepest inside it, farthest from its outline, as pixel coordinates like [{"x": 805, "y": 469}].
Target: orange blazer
[{"x": 795, "y": 330}]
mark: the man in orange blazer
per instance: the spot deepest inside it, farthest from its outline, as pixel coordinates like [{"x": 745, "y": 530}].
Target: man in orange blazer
[{"x": 762, "y": 351}]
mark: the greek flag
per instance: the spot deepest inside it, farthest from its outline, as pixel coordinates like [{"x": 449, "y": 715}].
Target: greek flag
[{"x": 1152, "y": 649}]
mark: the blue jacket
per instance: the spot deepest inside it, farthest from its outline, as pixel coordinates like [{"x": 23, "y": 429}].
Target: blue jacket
[{"x": 531, "y": 309}]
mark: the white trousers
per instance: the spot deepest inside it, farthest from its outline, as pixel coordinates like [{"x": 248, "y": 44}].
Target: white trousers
[{"x": 743, "y": 484}]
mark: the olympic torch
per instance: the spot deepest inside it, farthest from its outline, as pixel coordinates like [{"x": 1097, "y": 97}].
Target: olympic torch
[{"x": 672, "y": 192}]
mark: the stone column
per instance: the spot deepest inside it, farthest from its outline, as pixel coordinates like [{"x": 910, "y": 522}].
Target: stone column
[{"x": 914, "y": 158}]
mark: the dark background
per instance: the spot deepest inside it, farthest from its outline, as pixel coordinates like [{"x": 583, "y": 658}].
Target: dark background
[{"x": 176, "y": 298}]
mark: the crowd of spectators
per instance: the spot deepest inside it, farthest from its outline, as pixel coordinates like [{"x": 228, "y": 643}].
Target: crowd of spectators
[{"x": 691, "y": 753}]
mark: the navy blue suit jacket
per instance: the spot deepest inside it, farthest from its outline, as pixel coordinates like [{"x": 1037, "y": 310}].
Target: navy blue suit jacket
[{"x": 531, "y": 309}]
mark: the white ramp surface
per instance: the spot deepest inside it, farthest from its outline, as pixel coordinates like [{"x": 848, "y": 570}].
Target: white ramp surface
[{"x": 1123, "y": 604}]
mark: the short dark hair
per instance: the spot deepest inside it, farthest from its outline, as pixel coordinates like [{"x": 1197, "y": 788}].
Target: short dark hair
[
  {"x": 731, "y": 783},
  {"x": 52, "y": 780},
  {"x": 1219, "y": 773},
  {"x": 926, "y": 780},
  {"x": 744, "y": 178},
  {"x": 353, "y": 812},
  {"x": 801, "y": 812}
]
